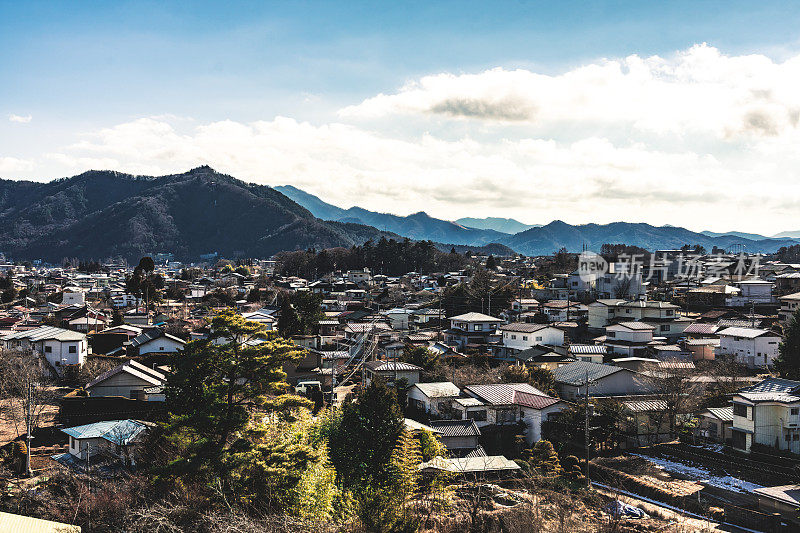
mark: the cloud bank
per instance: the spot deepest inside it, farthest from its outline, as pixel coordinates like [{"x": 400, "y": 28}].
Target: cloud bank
[{"x": 700, "y": 139}]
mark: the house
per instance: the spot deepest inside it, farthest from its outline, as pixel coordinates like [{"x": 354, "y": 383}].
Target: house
[
  {"x": 399, "y": 318},
  {"x": 390, "y": 371},
  {"x": 629, "y": 338},
  {"x": 116, "y": 438},
  {"x": 154, "y": 340},
  {"x": 767, "y": 414},
  {"x": 125, "y": 300},
  {"x": 602, "y": 313},
  {"x": 471, "y": 466},
  {"x": 604, "y": 380},
  {"x": 460, "y": 437},
  {"x": 520, "y": 336},
  {"x": 753, "y": 292},
  {"x": 73, "y": 296},
  {"x": 130, "y": 380},
  {"x": 60, "y": 347},
  {"x": 564, "y": 310},
  {"x": 789, "y": 305},
  {"x": 783, "y": 499},
  {"x": 262, "y": 317},
  {"x": 471, "y": 328},
  {"x": 753, "y": 347},
  {"x": 715, "y": 424},
  {"x": 593, "y": 353},
  {"x": 524, "y": 305},
  {"x": 510, "y": 403},
  {"x": 543, "y": 357},
  {"x": 645, "y": 422},
  {"x": 434, "y": 398}
]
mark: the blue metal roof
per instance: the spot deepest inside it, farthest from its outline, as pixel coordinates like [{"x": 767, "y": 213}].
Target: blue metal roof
[{"x": 120, "y": 432}]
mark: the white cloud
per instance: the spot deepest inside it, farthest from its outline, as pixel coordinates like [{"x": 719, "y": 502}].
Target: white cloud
[
  {"x": 21, "y": 119},
  {"x": 701, "y": 139},
  {"x": 12, "y": 165},
  {"x": 698, "y": 90}
]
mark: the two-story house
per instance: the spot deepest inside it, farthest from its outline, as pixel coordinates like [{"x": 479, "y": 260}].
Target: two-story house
[
  {"x": 520, "y": 336},
  {"x": 629, "y": 338},
  {"x": 471, "y": 328},
  {"x": 753, "y": 347},
  {"x": 789, "y": 306},
  {"x": 60, "y": 347},
  {"x": 767, "y": 413}
]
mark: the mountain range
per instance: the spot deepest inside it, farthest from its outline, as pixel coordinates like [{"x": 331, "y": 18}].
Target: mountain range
[
  {"x": 535, "y": 240},
  {"x": 100, "y": 214}
]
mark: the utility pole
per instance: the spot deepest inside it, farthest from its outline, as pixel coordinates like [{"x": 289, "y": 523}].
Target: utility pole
[
  {"x": 29, "y": 436},
  {"x": 586, "y": 430}
]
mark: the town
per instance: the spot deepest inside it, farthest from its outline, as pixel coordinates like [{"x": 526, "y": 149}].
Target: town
[{"x": 392, "y": 386}]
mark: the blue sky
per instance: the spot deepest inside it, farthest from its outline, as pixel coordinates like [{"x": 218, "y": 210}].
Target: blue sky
[{"x": 73, "y": 71}]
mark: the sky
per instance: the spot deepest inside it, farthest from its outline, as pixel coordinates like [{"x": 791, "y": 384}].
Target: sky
[{"x": 682, "y": 113}]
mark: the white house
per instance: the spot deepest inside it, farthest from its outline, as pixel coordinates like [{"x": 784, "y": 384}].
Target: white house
[
  {"x": 510, "y": 403},
  {"x": 435, "y": 398},
  {"x": 61, "y": 347},
  {"x": 262, "y": 317},
  {"x": 154, "y": 340},
  {"x": 754, "y": 291},
  {"x": 629, "y": 338},
  {"x": 74, "y": 296},
  {"x": 398, "y": 317},
  {"x": 117, "y": 438},
  {"x": 789, "y": 304},
  {"x": 602, "y": 313},
  {"x": 767, "y": 413},
  {"x": 522, "y": 335},
  {"x": 471, "y": 328},
  {"x": 125, "y": 300},
  {"x": 754, "y": 347}
]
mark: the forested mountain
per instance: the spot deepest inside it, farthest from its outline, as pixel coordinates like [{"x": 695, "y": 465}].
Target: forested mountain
[
  {"x": 547, "y": 239},
  {"x": 503, "y": 225},
  {"x": 99, "y": 214},
  {"x": 419, "y": 226}
]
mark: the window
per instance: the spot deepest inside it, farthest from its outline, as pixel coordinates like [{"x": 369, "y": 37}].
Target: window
[
  {"x": 664, "y": 327},
  {"x": 794, "y": 411},
  {"x": 478, "y": 416},
  {"x": 161, "y": 348},
  {"x": 73, "y": 349},
  {"x": 538, "y": 338},
  {"x": 611, "y": 334},
  {"x": 513, "y": 337},
  {"x": 48, "y": 349},
  {"x": 740, "y": 410},
  {"x": 739, "y": 439},
  {"x": 478, "y": 327},
  {"x": 670, "y": 313}
]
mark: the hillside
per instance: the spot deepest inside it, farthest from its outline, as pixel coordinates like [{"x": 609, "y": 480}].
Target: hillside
[
  {"x": 503, "y": 225},
  {"x": 557, "y": 234},
  {"x": 99, "y": 214},
  {"x": 419, "y": 226}
]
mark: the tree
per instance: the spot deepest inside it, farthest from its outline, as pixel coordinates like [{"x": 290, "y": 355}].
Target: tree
[
  {"x": 215, "y": 385},
  {"x": 420, "y": 356},
  {"x": 788, "y": 361},
  {"x": 543, "y": 459},
  {"x": 309, "y": 311},
  {"x": 288, "y": 320},
  {"x": 543, "y": 379},
  {"x": 491, "y": 263},
  {"x": 404, "y": 463},
  {"x": 367, "y": 432}
]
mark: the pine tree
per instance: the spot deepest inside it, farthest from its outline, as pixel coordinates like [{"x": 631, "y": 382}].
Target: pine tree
[
  {"x": 491, "y": 263},
  {"x": 543, "y": 458},
  {"x": 788, "y": 361}
]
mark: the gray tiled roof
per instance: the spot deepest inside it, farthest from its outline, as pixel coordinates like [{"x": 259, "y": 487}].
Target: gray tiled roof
[
  {"x": 456, "y": 428},
  {"x": 575, "y": 373}
]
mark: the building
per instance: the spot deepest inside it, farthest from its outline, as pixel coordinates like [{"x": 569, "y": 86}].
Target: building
[
  {"x": 520, "y": 336},
  {"x": 391, "y": 371},
  {"x": 61, "y": 348},
  {"x": 154, "y": 340},
  {"x": 471, "y": 328},
  {"x": 511, "y": 403},
  {"x": 130, "y": 380},
  {"x": 15, "y": 523},
  {"x": 789, "y": 305},
  {"x": 119, "y": 439},
  {"x": 602, "y": 313},
  {"x": 767, "y": 414},
  {"x": 460, "y": 437},
  {"x": 604, "y": 380},
  {"x": 753, "y": 347},
  {"x": 716, "y": 424},
  {"x": 630, "y": 339},
  {"x": 433, "y": 398}
]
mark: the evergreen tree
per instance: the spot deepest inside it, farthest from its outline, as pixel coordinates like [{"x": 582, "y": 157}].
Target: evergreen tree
[
  {"x": 362, "y": 444},
  {"x": 216, "y": 383},
  {"x": 404, "y": 464},
  {"x": 491, "y": 263},
  {"x": 543, "y": 458},
  {"x": 788, "y": 361},
  {"x": 288, "y": 320}
]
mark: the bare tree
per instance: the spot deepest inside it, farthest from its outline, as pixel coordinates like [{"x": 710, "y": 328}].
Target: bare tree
[{"x": 25, "y": 389}]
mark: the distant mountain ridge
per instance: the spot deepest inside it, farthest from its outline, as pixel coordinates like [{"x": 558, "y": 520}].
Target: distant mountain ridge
[
  {"x": 550, "y": 238},
  {"x": 503, "y": 225},
  {"x": 418, "y": 226}
]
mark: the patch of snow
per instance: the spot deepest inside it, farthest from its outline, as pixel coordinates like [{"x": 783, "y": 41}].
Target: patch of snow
[
  {"x": 702, "y": 475},
  {"x": 710, "y": 447}
]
